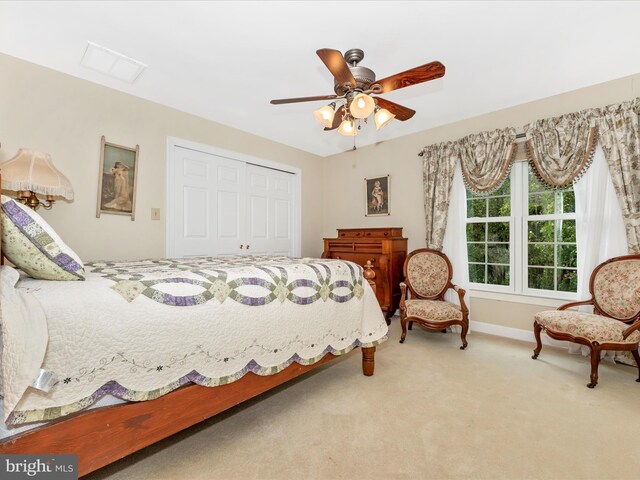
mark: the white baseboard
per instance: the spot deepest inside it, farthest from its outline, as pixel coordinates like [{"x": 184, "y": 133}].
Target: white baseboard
[{"x": 514, "y": 333}]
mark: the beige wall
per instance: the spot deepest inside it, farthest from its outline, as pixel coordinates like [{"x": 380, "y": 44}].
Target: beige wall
[
  {"x": 66, "y": 116},
  {"x": 344, "y": 174}
]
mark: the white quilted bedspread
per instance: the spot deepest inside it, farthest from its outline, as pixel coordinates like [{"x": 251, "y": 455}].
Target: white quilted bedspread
[{"x": 138, "y": 330}]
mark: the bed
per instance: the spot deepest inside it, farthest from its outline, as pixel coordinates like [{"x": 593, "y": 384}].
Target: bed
[{"x": 179, "y": 340}]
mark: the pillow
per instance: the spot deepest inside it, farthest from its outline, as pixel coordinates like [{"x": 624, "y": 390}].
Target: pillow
[{"x": 34, "y": 247}]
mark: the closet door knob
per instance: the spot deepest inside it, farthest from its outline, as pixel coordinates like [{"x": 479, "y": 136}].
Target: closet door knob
[
  {"x": 247, "y": 247},
  {"x": 242, "y": 246}
]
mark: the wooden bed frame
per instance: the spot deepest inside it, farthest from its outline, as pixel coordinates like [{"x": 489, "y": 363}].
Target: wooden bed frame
[{"x": 103, "y": 435}]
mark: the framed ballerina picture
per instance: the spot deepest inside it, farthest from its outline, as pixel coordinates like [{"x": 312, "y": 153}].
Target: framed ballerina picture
[
  {"x": 117, "y": 182},
  {"x": 377, "y": 195}
]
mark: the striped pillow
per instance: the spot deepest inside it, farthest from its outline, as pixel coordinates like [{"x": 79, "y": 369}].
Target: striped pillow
[{"x": 34, "y": 247}]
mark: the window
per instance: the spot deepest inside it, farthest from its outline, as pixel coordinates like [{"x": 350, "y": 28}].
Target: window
[
  {"x": 551, "y": 251},
  {"x": 489, "y": 236},
  {"x": 522, "y": 238}
]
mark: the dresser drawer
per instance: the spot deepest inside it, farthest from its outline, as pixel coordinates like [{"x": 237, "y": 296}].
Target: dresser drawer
[{"x": 362, "y": 246}]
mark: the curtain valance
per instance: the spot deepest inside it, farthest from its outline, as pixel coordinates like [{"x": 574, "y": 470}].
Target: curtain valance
[
  {"x": 486, "y": 159},
  {"x": 561, "y": 149}
]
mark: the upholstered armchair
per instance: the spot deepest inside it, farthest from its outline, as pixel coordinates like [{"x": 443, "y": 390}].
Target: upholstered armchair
[
  {"x": 615, "y": 322},
  {"x": 428, "y": 276}
]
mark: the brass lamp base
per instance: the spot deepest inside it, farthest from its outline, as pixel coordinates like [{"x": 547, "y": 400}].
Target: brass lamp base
[{"x": 31, "y": 200}]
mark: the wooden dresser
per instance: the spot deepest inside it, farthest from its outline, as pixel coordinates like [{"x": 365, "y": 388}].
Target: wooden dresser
[{"x": 385, "y": 247}]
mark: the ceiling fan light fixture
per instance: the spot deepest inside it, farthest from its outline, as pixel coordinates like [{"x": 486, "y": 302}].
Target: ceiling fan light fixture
[
  {"x": 325, "y": 114},
  {"x": 382, "y": 117},
  {"x": 362, "y": 106},
  {"x": 348, "y": 127}
]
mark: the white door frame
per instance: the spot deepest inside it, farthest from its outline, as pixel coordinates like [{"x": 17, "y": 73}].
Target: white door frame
[{"x": 170, "y": 203}]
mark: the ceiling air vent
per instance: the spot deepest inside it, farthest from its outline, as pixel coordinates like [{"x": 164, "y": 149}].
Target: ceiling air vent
[{"x": 111, "y": 63}]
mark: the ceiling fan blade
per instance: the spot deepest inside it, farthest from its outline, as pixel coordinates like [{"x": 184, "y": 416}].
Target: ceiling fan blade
[
  {"x": 421, "y": 74},
  {"x": 401, "y": 113},
  {"x": 337, "y": 65},
  {"x": 337, "y": 119},
  {"x": 280, "y": 101}
]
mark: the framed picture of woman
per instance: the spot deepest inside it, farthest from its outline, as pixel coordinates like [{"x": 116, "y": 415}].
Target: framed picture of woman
[
  {"x": 117, "y": 182},
  {"x": 377, "y": 195}
]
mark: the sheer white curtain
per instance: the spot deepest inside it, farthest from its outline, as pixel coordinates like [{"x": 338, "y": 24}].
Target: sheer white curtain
[
  {"x": 600, "y": 232},
  {"x": 455, "y": 237}
]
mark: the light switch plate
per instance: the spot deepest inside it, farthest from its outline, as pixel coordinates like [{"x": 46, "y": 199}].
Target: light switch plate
[{"x": 155, "y": 214}]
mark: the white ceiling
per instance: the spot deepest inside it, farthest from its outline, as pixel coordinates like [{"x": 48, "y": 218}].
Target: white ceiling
[{"x": 225, "y": 60}]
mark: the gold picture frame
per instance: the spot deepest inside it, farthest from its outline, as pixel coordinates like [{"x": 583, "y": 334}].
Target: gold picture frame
[
  {"x": 377, "y": 196},
  {"x": 118, "y": 179}
]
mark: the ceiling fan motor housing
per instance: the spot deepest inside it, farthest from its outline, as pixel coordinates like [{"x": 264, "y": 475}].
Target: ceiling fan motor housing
[{"x": 364, "y": 76}]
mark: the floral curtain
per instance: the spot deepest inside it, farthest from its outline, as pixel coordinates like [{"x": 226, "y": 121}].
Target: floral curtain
[
  {"x": 620, "y": 140},
  {"x": 438, "y": 168},
  {"x": 486, "y": 159},
  {"x": 561, "y": 149}
]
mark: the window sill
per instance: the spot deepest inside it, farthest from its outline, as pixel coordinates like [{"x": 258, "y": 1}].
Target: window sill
[{"x": 520, "y": 298}]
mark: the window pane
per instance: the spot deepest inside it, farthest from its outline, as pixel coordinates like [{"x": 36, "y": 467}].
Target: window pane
[
  {"x": 499, "y": 207},
  {"x": 476, "y": 232},
  {"x": 567, "y": 256},
  {"x": 476, "y": 207},
  {"x": 568, "y": 202},
  {"x": 476, "y": 273},
  {"x": 541, "y": 231},
  {"x": 541, "y": 278},
  {"x": 498, "y": 274},
  {"x": 498, "y": 253},
  {"x": 498, "y": 232},
  {"x": 542, "y": 203},
  {"x": 540, "y": 255},
  {"x": 476, "y": 252},
  {"x": 566, "y": 231},
  {"x": 567, "y": 280}
]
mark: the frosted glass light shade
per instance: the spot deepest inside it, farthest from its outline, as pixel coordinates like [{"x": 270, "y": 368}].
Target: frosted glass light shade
[
  {"x": 348, "y": 128},
  {"x": 362, "y": 106},
  {"x": 34, "y": 171},
  {"x": 325, "y": 115},
  {"x": 382, "y": 117}
]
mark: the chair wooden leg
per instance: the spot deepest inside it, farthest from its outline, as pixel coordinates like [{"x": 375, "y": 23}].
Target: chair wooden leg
[
  {"x": 595, "y": 362},
  {"x": 537, "y": 328},
  {"x": 410, "y": 325},
  {"x": 636, "y": 356},
  {"x": 403, "y": 324},
  {"x": 463, "y": 335}
]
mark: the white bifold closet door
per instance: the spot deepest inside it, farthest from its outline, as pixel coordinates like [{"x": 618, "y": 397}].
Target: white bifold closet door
[{"x": 229, "y": 207}]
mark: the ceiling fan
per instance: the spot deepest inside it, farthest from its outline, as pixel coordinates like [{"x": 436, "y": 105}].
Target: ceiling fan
[{"x": 354, "y": 86}]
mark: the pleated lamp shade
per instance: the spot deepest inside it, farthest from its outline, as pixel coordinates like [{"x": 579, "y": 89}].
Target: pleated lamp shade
[{"x": 34, "y": 171}]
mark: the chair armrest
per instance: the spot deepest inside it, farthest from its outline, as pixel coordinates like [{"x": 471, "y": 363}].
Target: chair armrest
[
  {"x": 575, "y": 304},
  {"x": 634, "y": 326},
  {"x": 461, "y": 292}
]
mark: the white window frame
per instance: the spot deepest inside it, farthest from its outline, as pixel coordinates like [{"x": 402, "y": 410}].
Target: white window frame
[{"x": 518, "y": 251}]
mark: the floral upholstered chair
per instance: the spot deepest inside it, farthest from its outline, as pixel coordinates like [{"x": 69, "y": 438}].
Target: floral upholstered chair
[
  {"x": 428, "y": 275},
  {"x": 615, "y": 323}
]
